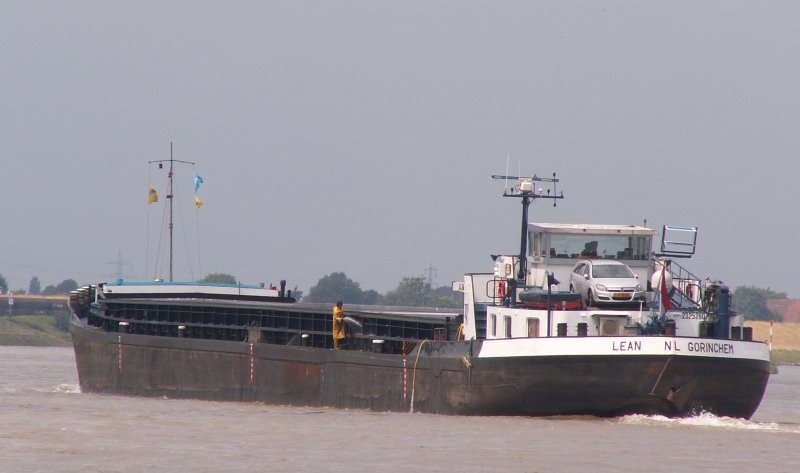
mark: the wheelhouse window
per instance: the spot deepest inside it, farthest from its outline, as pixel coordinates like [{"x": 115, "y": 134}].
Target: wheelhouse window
[
  {"x": 494, "y": 325},
  {"x": 620, "y": 247},
  {"x": 508, "y": 326}
]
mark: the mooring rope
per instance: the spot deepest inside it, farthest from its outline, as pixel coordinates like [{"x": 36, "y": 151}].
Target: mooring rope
[{"x": 414, "y": 375}]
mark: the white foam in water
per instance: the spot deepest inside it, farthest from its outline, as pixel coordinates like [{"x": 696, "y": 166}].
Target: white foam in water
[
  {"x": 67, "y": 389},
  {"x": 705, "y": 419}
]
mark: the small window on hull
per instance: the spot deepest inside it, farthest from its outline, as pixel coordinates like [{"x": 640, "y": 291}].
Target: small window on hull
[{"x": 533, "y": 327}]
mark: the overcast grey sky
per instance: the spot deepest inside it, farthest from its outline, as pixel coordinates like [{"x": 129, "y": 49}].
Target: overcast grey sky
[{"x": 359, "y": 136}]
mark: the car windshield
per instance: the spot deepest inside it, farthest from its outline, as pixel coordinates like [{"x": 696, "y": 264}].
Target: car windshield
[{"x": 611, "y": 271}]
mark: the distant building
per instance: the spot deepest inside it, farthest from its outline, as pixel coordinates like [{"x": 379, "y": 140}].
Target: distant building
[{"x": 788, "y": 308}]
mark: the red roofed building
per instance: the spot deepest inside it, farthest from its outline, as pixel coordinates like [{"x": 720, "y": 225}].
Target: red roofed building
[{"x": 788, "y": 308}]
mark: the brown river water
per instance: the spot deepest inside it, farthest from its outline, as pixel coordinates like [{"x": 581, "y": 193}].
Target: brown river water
[{"x": 47, "y": 424}]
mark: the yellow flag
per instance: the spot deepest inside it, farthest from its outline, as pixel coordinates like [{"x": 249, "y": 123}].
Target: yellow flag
[
  {"x": 197, "y": 202},
  {"x": 152, "y": 196}
]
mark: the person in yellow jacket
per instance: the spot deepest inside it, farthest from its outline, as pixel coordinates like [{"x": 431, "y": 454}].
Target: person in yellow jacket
[{"x": 339, "y": 332}]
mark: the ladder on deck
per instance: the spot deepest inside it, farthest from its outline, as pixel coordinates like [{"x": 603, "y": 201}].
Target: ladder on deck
[{"x": 686, "y": 292}]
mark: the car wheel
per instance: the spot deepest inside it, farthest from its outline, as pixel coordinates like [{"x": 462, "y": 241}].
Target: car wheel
[{"x": 590, "y": 299}]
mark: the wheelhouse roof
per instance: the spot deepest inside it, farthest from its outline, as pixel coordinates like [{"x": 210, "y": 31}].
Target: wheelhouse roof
[{"x": 590, "y": 229}]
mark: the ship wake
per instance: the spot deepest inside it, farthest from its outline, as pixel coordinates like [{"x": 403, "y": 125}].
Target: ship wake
[{"x": 710, "y": 421}]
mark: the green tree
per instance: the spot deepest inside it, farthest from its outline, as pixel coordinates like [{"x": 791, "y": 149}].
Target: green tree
[
  {"x": 35, "y": 287},
  {"x": 371, "y": 297},
  {"x": 751, "y": 302},
  {"x": 445, "y": 296},
  {"x": 65, "y": 286},
  {"x": 3, "y": 284},
  {"x": 415, "y": 292},
  {"x": 770, "y": 294},
  {"x": 412, "y": 291},
  {"x": 336, "y": 287},
  {"x": 220, "y": 278}
]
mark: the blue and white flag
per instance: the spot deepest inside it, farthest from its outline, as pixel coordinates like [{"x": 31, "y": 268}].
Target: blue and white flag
[{"x": 197, "y": 181}]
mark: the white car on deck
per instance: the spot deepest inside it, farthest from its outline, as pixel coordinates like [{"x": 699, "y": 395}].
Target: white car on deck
[{"x": 605, "y": 282}]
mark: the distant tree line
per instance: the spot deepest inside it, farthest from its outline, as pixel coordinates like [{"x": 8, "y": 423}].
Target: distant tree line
[
  {"x": 751, "y": 302},
  {"x": 221, "y": 278},
  {"x": 414, "y": 291},
  {"x": 35, "y": 287},
  {"x": 225, "y": 278}
]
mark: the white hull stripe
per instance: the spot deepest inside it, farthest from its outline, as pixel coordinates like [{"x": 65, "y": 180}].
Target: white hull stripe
[{"x": 623, "y": 346}]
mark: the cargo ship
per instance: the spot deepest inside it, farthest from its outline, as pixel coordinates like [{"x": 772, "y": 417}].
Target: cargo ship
[{"x": 522, "y": 344}]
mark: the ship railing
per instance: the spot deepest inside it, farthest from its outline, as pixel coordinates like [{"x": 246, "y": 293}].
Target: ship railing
[{"x": 686, "y": 292}]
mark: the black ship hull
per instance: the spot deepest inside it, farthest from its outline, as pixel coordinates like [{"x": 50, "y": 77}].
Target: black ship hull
[{"x": 447, "y": 377}]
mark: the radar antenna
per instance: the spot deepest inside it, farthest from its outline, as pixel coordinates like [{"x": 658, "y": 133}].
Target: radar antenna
[{"x": 525, "y": 191}]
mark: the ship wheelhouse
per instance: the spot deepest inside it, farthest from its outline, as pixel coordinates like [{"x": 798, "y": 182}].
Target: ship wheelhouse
[{"x": 557, "y": 247}]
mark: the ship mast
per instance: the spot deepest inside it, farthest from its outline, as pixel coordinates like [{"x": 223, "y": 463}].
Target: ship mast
[
  {"x": 170, "y": 194},
  {"x": 525, "y": 191}
]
